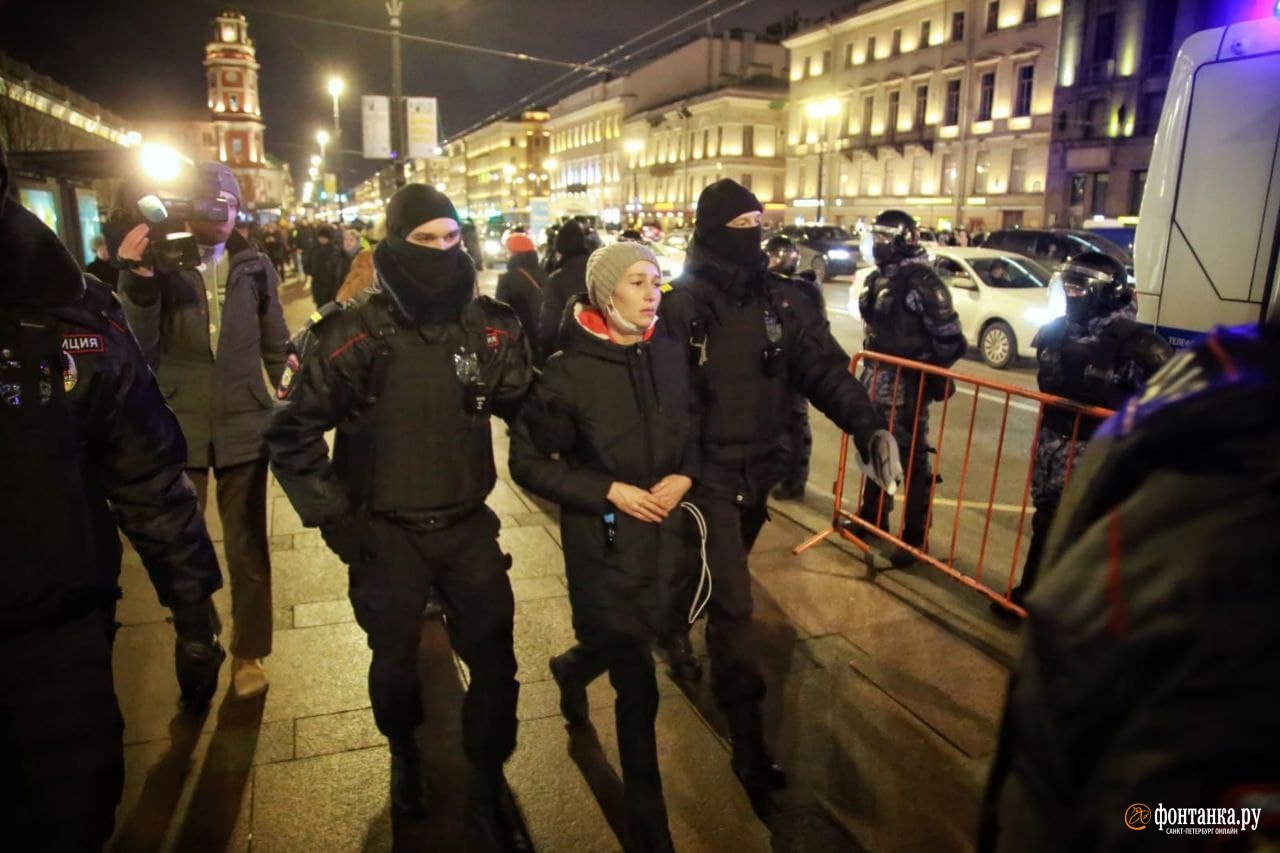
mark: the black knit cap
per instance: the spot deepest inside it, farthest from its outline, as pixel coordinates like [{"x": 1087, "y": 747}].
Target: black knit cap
[
  {"x": 722, "y": 202},
  {"x": 415, "y": 204}
]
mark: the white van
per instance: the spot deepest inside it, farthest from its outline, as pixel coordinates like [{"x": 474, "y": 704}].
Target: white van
[{"x": 1205, "y": 253}]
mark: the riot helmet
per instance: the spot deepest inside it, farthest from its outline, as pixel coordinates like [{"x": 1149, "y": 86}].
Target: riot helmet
[
  {"x": 897, "y": 237},
  {"x": 784, "y": 257},
  {"x": 1094, "y": 284}
]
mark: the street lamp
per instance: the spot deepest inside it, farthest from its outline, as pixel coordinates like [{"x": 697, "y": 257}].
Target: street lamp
[
  {"x": 822, "y": 110},
  {"x": 634, "y": 147},
  {"x": 335, "y": 90},
  {"x": 315, "y": 160}
]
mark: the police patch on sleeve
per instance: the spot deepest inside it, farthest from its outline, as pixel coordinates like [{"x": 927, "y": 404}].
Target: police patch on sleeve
[
  {"x": 291, "y": 367},
  {"x": 82, "y": 344}
]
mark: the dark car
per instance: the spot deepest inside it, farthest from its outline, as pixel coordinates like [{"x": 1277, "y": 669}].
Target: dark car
[
  {"x": 1052, "y": 246},
  {"x": 828, "y": 250}
]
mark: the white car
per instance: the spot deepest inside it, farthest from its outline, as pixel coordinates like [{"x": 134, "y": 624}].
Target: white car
[{"x": 1002, "y": 298}]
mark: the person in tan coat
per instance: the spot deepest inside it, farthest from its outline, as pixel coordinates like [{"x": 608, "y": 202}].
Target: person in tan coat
[{"x": 359, "y": 277}]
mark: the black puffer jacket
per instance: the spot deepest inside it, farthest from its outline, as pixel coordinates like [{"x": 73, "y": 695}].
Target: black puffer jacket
[
  {"x": 611, "y": 413},
  {"x": 122, "y": 457},
  {"x": 1149, "y": 670},
  {"x": 521, "y": 287},
  {"x": 568, "y": 280},
  {"x": 729, "y": 315}
]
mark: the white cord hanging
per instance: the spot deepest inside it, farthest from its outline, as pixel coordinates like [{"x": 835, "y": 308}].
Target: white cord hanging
[{"x": 704, "y": 579}]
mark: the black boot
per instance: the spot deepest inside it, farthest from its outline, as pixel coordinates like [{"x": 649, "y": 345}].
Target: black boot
[
  {"x": 649, "y": 836},
  {"x": 491, "y": 817},
  {"x": 685, "y": 666},
  {"x": 755, "y": 768},
  {"x": 573, "y": 695},
  {"x": 408, "y": 779},
  {"x": 900, "y": 557}
]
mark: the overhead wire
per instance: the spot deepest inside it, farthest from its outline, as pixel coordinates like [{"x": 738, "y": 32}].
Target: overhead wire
[{"x": 542, "y": 92}]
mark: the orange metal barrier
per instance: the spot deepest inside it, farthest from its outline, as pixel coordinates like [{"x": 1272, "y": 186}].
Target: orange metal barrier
[{"x": 845, "y": 522}]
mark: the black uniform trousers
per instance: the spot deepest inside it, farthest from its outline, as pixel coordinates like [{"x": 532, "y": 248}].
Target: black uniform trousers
[
  {"x": 629, "y": 663},
  {"x": 242, "y": 506},
  {"x": 916, "y": 470},
  {"x": 733, "y": 499},
  {"x": 60, "y": 735},
  {"x": 468, "y": 572},
  {"x": 799, "y": 445}
]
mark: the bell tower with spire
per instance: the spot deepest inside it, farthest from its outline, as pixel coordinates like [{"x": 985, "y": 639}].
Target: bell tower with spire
[{"x": 231, "y": 71}]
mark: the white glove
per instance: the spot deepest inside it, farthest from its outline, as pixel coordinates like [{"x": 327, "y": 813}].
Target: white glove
[{"x": 885, "y": 465}]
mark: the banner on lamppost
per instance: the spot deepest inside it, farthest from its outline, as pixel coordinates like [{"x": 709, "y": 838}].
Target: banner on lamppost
[
  {"x": 423, "y": 125},
  {"x": 375, "y": 115}
]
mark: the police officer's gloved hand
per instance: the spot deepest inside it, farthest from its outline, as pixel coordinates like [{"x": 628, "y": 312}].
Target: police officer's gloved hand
[
  {"x": 885, "y": 464},
  {"x": 345, "y": 537},
  {"x": 197, "y": 654}
]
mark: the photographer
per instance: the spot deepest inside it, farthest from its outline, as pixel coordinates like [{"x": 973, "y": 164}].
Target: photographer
[{"x": 208, "y": 332}]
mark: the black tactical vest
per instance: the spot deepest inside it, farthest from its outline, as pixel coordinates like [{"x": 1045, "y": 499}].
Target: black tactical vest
[{"x": 423, "y": 451}]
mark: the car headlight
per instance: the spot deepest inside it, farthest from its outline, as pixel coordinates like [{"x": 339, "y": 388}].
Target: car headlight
[
  {"x": 493, "y": 247},
  {"x": 838, "y": 254},
  {"x": 1041, "y": 314}
]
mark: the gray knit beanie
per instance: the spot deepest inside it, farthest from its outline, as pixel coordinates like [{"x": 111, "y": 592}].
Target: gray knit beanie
[{"x": 607, "y": 265}]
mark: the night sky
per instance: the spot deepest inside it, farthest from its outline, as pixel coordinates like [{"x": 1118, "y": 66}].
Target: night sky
[{"x": 143, "y": 58}]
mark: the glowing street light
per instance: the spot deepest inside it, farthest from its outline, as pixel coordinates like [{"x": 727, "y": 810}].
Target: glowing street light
[
  {"x": 315, "y": 160},
  {"x": 322, "y": 136},
  {"x": 160, "y": 163}
]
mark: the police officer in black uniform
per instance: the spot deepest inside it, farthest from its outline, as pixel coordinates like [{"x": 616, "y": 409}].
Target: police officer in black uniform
[
  {"x": 784, "y": 260},
  {"x": 907, "y": 312},
  {"x": 82, "y": 423},
  {"x": 416, "y": 367},
  {"x": 1097, "y": 355},
  {"x": 753, "y": 339}
]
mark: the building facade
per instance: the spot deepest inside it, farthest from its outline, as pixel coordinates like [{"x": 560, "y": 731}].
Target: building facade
[
  {"x": 943, "y": 108},
  {"x": 641, "y": 146},
  {"x": 496, "y": 170},
  {"x": 674, "y": 151},
  {"x": 1116, "y": 56}
]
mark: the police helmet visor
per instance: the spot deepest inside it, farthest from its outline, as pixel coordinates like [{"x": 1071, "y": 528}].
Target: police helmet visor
[{"x": 1075, "y": 279}]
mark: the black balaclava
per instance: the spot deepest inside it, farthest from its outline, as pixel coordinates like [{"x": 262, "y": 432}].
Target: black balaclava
[
  {"x": 431, "y": 285},
  {"x": 720, "y": 203}
]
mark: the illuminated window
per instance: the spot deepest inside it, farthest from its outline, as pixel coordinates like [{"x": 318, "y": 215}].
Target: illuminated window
[
  {"x": 925, "y": 27},
  {"x": 848, "y": 55},
  {"x": 1029, "y": 11},
  {"x": 808, "y": 66},
  {"x": 1101, "y": 183},
  {"x": 1022, "y": 95},
  {"x": 1076, "y": 198},
  {"x": 895, "y": 46},
  {"x": 826, "y": 62},
  {"x": 233, "y": 102},
  {"x": 868, "y": 110},
  {"x": 917, "y": 175},
  {"x": 1018, "y": 171},
  {"x": 891, "y": 121},
  {"x": 949, "y": 174},
  {"x": 957, "y": 26},
  {"x": 871, "y": 48},
  {"x": 237, "y": 148},
  {"x": 749, "y": 141},
  {"x": 993, "y": 16},
  {"x": 981, "y": 172},
  {"x": 986, "y": 95},
  {"x": 922, "y": 105},
  {"x": 951, "y": 115}
]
